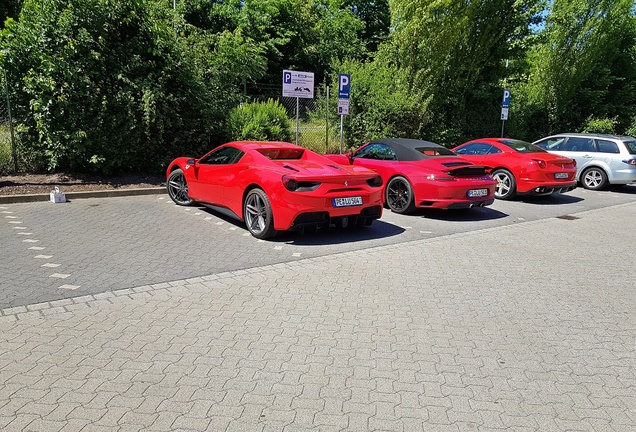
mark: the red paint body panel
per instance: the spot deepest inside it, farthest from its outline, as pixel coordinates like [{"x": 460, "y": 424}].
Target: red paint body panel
[
  {"x": 525, "y": 167},
  {"x": 225, "y": 185},
  {"x": 428, "y": 190}
]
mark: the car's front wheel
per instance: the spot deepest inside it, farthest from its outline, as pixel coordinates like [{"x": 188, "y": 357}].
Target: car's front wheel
[
  {"x": 506, "y": 185},
  {"x": 258, "y": 215},
  {"x": 399, "y": 195},
  {"x": 178, "y": 188},
  {"x": 594, "y": 178}
]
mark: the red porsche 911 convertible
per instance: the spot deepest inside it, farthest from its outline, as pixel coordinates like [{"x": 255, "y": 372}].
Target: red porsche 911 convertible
[
  {"x": 276, "y": 186},
  {"x": 521, "y": 168},
  {"x": 422, "y": 174}
]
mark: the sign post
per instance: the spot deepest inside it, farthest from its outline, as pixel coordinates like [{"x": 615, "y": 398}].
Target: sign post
[
  {"x": 299, "y": 85},
  {"x": 344, "y": 90},
  {"x": 505, "y": 104}
]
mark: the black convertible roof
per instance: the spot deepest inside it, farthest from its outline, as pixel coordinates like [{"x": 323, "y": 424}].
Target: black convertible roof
[{"x": 405, "y": 148}]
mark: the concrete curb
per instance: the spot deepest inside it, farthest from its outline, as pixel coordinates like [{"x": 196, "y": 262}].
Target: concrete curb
[{"x": 15, "y": 199}]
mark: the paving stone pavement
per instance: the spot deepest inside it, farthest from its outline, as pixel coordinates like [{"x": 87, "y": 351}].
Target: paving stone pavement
[{"x": 528, "y": 327}]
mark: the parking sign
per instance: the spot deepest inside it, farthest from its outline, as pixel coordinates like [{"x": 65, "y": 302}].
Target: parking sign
[{"x": 344, "y": 83}]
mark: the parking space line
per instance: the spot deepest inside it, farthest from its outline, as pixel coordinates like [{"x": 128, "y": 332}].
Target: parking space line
[
  {"x": 60, "y": 275},
  {"x": 24, "y": 233},
  {"x": 11, "y": 217},
  {"x": 37, "y": 248},
  {"x": 30, "y": 241},
  {"x": 43, "y": 256},
  {"x": 19, "y": 227},
  {"x": 15, "y": 222},
  {"x": 51, "y": 265},
  {"x": 69, "y": 287}
]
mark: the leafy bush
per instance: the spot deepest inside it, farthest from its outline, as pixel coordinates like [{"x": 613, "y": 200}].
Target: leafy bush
[
  {"x": 600, "y": 125},
  {"x": 260, "y": 121},
  {"x": 102, "y": 86},
  {"x": 381, "y": 104}
]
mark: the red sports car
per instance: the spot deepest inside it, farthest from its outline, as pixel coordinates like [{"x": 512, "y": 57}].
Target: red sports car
[
  {"x": 422, "y": 174},
  {"x": 521, "y": 168},
  {"x": 276, "y": 186}
]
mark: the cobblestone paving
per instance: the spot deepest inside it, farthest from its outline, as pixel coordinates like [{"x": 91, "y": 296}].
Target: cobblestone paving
[{"x": 528, "y": 327}]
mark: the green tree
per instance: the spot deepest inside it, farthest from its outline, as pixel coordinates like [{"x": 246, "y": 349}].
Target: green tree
[
  {"x": 456, "y": 53},
  {"x": 102, "y": 85},
  {"x": 583, "y": 66}
]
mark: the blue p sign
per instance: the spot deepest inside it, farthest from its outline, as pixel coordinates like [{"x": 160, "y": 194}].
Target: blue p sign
[
  {"x": 344, "y": 81},
  {"x": 506, "y": 99},
  {"x": 287, "y": 77}
]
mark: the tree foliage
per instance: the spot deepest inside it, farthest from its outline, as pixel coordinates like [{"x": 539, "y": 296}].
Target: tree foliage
[
  {"x": 456, "y": 53},
  {"x": 583, "y": 66}
]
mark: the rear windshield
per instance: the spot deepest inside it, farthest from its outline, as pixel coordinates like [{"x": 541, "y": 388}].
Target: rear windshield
[
  {"x": 278, "y": 154},
  {"x": 435, "y": 151},
  {"x": 631, "y": 146},
  {"x": 522, "y": 146}
]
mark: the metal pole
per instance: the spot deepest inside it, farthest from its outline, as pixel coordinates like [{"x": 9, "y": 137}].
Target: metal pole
[
  {"x": 297, "y": 108},
  {"x": 502, "y": 127},
  {"x": 327, "y": 123},
  {"x": 13, "y": 146},
  {"x": 341, "y": 136}
]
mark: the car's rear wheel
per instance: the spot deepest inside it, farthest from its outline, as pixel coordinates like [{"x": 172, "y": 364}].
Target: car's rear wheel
[
  {"x": 506, "y": 184},
  {"x": 257, "y": 212},
  {"x": 399, "y": 195},
  {"x": 178, "y": 188},
  {"x": 594, "y": 178}
]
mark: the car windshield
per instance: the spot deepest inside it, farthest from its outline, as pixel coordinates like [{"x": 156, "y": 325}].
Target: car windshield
[
  {"x": 631, "y": 146},
  {"x": 284, "y": 153},
  {"x": 435, "y": 151},
  {"x": 522, "y": 146}
]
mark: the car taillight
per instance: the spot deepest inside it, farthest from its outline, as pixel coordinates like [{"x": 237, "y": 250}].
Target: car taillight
[
  {"x": 540, "y": 162},
  {"x": 630, "y": 161},
  {"x": 290, "y": 184},
  {"x": 375, "y": 181},
  {"x": 440, "y": 177}
]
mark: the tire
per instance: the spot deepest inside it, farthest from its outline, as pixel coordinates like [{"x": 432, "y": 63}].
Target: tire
[
  {"x": 258, "y": 216},
  {"x": 506, "y": 184},
  {"x": 399, "y": 195},
  {"x": 594, "y": 178},
  {"x": 178, "y": 188}
]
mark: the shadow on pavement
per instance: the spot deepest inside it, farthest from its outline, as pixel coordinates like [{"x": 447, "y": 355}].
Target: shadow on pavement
[
  {"x": 554, "y": 199},
  {"x": 378, "y": 230},
  {"x": 460, "y": 215}
]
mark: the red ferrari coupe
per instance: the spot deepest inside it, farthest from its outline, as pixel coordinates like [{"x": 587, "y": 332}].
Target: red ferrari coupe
[
  {"x": 276, "y": 186},
  {"x": 521, "y": 168},
  {"x": 422, "y": 174}
]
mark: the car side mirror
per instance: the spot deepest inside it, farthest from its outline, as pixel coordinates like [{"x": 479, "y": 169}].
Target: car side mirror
[
  {"x": 191, "y": 162},
  {"x": 350, "y": 157}
]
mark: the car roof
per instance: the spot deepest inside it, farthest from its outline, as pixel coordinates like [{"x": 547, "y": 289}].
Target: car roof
[
  {"x": 591, "y": 135},
  {"x": 405, "y": 148}
]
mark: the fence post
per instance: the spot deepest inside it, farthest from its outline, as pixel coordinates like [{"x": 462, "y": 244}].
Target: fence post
[{"x": 13, "y": 146}]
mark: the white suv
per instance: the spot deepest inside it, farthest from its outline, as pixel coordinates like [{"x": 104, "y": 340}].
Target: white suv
[{"x": 600, "y": 159}]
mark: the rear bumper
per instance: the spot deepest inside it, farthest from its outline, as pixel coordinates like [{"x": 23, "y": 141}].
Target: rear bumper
[
  {"x": 455, "y": 204},
  {"x": 323, "y": 219},
  {"x": 548, "y": 190}
]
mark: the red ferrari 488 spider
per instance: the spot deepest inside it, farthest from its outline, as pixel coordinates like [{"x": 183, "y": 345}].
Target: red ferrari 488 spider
[
  {"x": 276, "y": 186},
  {"x": 422, "y": 174},
  {"x": 521, "y": 168}
]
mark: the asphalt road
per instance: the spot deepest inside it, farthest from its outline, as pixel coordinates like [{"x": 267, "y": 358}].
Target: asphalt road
[{"x": 92, "y": 246}]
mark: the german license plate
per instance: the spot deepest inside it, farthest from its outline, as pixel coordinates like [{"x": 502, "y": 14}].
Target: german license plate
[
  {"x": 477, "y": 193},
  {"x": 560, "y": 175},
  {"x": 347, "y": 202}
]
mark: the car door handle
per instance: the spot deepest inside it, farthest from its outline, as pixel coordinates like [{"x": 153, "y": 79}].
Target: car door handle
[{"x": 587, "y": 156}]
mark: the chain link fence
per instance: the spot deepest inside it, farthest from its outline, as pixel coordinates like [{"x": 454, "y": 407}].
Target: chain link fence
[
  {"x": 318, "y": 125},
  {"x": 8, "y": 163}
]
